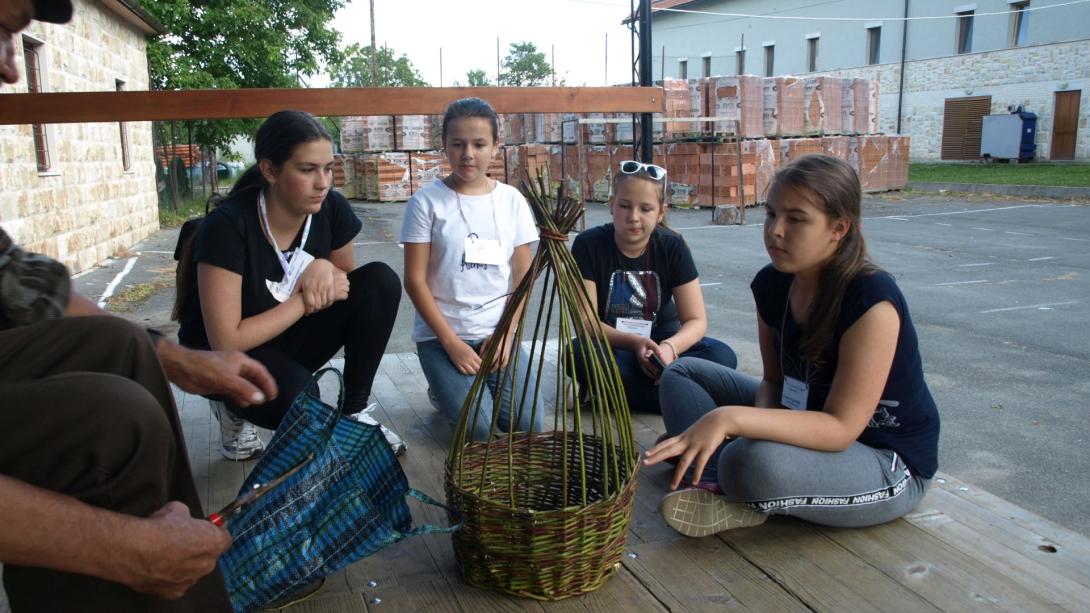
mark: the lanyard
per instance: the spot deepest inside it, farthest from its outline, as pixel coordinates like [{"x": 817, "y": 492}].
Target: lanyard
[
  {"x": 263, "y": 213},
  {"x": 783, "y": 333},
  {"x": 495, "y": 222}
]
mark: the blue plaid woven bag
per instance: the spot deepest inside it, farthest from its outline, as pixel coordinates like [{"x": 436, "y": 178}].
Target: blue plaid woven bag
[{"x": 345, "y": 503}]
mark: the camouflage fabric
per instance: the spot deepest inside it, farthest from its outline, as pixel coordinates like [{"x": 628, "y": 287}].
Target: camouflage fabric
[{"x": 33, "y": 287}]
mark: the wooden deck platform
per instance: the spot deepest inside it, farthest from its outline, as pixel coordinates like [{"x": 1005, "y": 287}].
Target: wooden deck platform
[{"x": 963, "y": 549}]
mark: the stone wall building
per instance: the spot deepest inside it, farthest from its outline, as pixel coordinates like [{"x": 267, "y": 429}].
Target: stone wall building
[
  {"x": 81, "y": 192},
  {"x": 992, "y": 53}
]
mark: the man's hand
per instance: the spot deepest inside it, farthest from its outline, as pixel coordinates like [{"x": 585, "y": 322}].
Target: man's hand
[
  {"x": 230, "y": 373},
  {"x": 171, "y": 551}
]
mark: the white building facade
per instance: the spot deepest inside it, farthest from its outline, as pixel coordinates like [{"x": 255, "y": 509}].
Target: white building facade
[
  {"x": 958, "y": 60},
  {"x": 81, "y": 192}
]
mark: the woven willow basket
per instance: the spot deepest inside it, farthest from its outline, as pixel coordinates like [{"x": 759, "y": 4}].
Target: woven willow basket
[{"x": 546, "y": 514}]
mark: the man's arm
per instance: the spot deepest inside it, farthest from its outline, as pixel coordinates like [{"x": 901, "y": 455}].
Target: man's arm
[{"x": 163, "y": 554}]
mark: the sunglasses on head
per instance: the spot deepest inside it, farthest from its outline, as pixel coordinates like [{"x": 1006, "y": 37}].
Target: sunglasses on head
[{"x": 653, "y": 172}]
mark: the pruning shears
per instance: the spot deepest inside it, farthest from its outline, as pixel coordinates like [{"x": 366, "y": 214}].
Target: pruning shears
[{"x": 220, "y": 517}]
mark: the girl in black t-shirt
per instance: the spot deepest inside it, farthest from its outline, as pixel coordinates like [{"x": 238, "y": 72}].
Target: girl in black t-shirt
[
  {"x": 276, "y": 276},
  {"x": 643, "y": 284},
  {"x": 841, "y": 429}
]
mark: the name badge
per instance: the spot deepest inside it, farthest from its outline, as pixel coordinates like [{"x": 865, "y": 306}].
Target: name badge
[
  {"x": 283, "y": 289},
  {"x": 484, "y": 251},
  {"x": 795, "y": 393},
  {"x": 641, "y": 327}
]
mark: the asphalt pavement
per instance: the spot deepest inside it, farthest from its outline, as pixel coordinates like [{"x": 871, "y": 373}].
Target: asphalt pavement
[{"x": 998, "y": 290}]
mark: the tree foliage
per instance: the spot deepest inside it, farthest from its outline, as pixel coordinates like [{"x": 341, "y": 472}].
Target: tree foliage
[
  {"x": 524, "y": 65},
  {"x": 353, "y": 69},
  {"x": 477, "y": 78},
  {"x": 239, "y": 44}
]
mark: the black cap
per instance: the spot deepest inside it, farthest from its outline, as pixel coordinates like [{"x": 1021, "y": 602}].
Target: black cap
[{"x": 53, "y": 11}]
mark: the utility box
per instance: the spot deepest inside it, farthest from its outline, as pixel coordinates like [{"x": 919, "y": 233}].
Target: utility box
[{"x": 1009, "y": 137}]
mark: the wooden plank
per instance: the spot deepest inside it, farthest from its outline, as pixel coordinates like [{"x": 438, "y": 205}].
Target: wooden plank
[
  {"x": 321, "y": 603},
  {"x": 818, "y": 571},
  {"x": 944, "y": 576},
  {"x": 80, "y": 107},
  {"x": 1008, "y": 535},
  {"x": 622, "y": 592},
  {"x": 706, "y": 575},
  {"x": 431, "y": 596}
]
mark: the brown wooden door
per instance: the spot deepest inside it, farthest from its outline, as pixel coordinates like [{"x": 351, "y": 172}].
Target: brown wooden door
[
  {"x": 962, "y": 124},
  {"x": 1064, "y": 123}
]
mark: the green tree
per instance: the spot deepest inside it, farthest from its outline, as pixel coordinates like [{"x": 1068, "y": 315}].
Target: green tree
[
  {"x": 353, "y": 69},
  {"x": 238, "y": 44},
  {"x": 477, "y": 78},
  {"x": 524, "y": 65}
]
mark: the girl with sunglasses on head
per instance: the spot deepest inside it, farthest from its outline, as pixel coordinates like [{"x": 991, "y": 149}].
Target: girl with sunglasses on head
[
  {"x": 841, "y": 429},
  {"x": 643, "y": 285},
  {"x": 468, "y": 242}
]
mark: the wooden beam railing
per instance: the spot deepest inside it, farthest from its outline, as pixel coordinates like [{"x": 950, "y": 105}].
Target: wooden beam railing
[{"x": 84, "y": 107}]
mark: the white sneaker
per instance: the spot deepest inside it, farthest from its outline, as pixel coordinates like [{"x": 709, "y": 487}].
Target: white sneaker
[
  {"x": 397, "y": 444},
  {"x": 697, "y": 512},
  {"x": 238, "y": 438}
]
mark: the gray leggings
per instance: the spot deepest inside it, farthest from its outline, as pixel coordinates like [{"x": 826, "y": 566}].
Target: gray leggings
[{"x": 860, "y": 486}]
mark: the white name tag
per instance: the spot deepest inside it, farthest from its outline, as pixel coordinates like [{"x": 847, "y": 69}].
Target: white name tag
[
  {"x": 795, "y": 393},
  {"x": 484, "y": 251},
  {"x": 642, "y": 327},
  {"x": 284, "y": 289}
]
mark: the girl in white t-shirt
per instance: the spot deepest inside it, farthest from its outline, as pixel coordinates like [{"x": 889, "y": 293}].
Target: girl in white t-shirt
[{"x": 467, "y": 243}]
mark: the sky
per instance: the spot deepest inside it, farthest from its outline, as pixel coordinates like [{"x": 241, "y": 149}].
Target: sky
[{"x": 466, "y": 31}]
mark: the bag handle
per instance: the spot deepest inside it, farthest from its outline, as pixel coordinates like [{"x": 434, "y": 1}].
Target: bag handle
[
  {"x": 428, "y": 528},
  {"x": 340, "y": 381}
]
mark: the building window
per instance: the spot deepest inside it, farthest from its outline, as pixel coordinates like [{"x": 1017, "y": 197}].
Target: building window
[
  {"x": 965, "y": 32},
  {"x": 1019, "y": 23},
  {"x": 683, "y": 69},
  {"x": 707, "y": 71},
  {"x": 770, "y": 60},
  {"x": 126, "y": 159},
  {"x": 812, "y": 54},
  {"x": 740, "y": 61},
  {"x": 874, "y": 45},
  {"x": 32, "y": 57}
]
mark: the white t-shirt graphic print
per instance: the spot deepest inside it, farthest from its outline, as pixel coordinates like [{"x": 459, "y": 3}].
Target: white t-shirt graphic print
[{"x": 461, "y": 288}]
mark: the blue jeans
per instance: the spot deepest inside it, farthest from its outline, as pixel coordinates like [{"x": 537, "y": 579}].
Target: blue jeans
[
  {"x": 642, "y": 393},
  {"x": 860, "y": 486},
  {"x": 451, "y": 388}
]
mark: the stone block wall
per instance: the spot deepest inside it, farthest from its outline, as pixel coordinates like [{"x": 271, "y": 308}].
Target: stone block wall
[
  {"x": 1027, "y": 76},
  {"x": 87, "y": 207}
]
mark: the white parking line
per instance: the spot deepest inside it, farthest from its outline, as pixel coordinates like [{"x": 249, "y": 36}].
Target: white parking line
[
  {"x": 710, "y": 284},
  {"x": 1071, "y": 238},
  {"x": 1050, "y": 257},
  {"x": 970, "y": 212},
  {"x": 1017, "y": 233},
  {"x": 948, "y": 225},
  {"x": 896, "y": 218},
  {"x": 1031, "y": 306},
  {"x": 962, "y": 282},
  {"x": 113, "y": 284},
  {"x": 975, "y": 265},
  {"x": 982, "y": 229}
]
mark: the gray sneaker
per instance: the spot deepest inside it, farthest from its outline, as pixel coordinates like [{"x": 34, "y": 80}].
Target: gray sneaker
[
  {"x": 697, "y": 512},
  {"x": 238, "y": 438}
]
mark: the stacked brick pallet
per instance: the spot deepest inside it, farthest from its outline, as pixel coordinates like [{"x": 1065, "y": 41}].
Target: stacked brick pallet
[{"x": 779, "y": 119}]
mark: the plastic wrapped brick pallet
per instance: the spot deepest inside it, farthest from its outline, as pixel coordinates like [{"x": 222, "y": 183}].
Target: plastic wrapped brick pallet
[{"x": 740, "y": 99}]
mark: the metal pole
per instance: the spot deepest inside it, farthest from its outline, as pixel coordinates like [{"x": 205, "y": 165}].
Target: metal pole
[
  {"x": 374, "y": 49},
  {"x": 440, "y": 67},
  {"x": 605, "y": 81},
  {"x": 552, "y": 64},
  {"x": 497, "y": 60},
  {"x": 647, "y": 147},
  {"x": 904, "y": 48}
]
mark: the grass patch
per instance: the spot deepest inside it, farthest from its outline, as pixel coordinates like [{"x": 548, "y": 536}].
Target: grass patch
[
  {"x": 1065, "y": 175},
  {"x": 188, "y": 209}
]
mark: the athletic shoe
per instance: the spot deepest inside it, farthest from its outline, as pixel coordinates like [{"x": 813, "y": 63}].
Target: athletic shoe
[
  {"x": 698, "y": 512},
  {"x": 397, "y": 444},
  {"x": 238, "y": 438}
]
